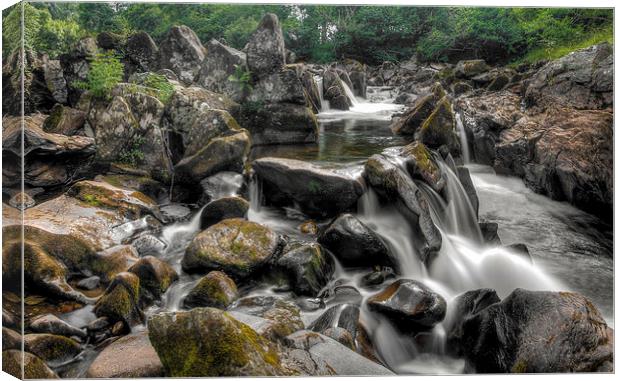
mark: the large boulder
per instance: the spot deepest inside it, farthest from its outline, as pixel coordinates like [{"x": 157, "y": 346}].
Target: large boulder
[
  {"x": 281, "y": 87},
  {"x": 422, "y": 164},
  {"x": 121, "y": 300},
  {"x": 76, "y": 65},
  {"x": 50, "y": 159},
  {"x": 412, "y": 119},
  {"x": 155, "y": 277},
  {"x": 440, "y": 128},
  {"x": 181, "y": 52},
  {"x": 131, "y": 356},
  {"x": 24, "y": 365},
  {"x": 582, "y": 79},
  {"x": 141, "y": 53},
  {"x": 223, "y": 208},
  {"x": 537, "y": 332},
  {"x": 279, "y": 123},
  {"x": 53, "y": 349},
  {"x": 409, "y": 304},
  {"x": 207, "y": 342},
  {"x": 64, "y": 120},
  {"x": 219, "y": 64},
  {"x": 308, "y": 266},
  {"x": 235, "y": 246},
  {"x": 215, "y": 289},
  {"x": 393, "y": 184},
  {"x": 470, "y": 68},
  {"x": 265, "y": 49},
  {"x": 55, "y": 80},
  {"x": 354, "y": 243},
  {"x": 51, "y": 324}
]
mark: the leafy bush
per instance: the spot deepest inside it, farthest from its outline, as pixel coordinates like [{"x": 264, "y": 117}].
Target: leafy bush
[
  {"x": 106, "y": 71},
  {"x": 132, "y": 154},
  {"x": 161, "y": 84},
  {"x": 242, "y": 77}
]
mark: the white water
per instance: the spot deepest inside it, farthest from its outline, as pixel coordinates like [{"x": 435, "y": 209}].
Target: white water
[
  {"x": 463, "y": 137},
  {"x": 349, "y": 93},
  {"x": 318, "y": 81}
]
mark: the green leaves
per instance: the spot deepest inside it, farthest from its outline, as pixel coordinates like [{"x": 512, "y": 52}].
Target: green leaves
[
  {"x": 105, "y": 72},
  {"x": 242, "y": 77}
]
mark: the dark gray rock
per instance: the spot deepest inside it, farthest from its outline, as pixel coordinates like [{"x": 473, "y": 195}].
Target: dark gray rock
[
  {"x": 307, "y": 266},
  {"x": 265, "y": 49},
  {"x": 181, "y": 52}
]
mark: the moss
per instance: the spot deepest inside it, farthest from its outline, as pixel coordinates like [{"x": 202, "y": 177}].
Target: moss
[
  {"x": 120, "y": 300},
  {"x": 50, "y": 347},
  {"x": 520, "y": 366}
]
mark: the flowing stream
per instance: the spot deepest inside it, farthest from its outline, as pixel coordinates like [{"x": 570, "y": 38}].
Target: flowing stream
[{"x": 570, "y": 249}]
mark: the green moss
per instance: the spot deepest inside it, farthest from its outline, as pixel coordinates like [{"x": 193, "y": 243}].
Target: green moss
[{"x": 519, "y": 367}]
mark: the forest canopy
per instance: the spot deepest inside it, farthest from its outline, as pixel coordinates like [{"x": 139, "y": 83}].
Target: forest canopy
[{"x": 320, "y": 33}]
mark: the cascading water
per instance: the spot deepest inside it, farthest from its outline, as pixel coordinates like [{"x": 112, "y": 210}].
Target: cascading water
[
  {"x": 318, "y": 81},
  {"x": 460, "y": 128},
  {"x": 349, "y": 93}
]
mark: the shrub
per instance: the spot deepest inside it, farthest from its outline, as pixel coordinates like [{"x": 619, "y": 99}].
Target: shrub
[
  {"x": 161, "y": 85},
  {"x": 132, "y": 154},
  {"x": 242, "y": 77},
  {"x": 106, "y": 71}
]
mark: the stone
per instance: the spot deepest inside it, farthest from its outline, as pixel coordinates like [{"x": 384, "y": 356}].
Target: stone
[
  {"x": 489, "y": 233},
  {"x": 89, "y": 283},
  {"x": 36, "y": 95},
  {"x": 64, "y": 120},
  {"x": 155, "y": 275},
  {"x": 120, "y": 301},
  {"x": 470, "y": 68},
  {"x": 318, "y": 191},
  {"x": 32, "y": 366},
  {"x": 141, "y": 52},
  {"x": 110, "y": 41},
  {"x": 53, "y": 349},
  {"x": 265, "y": 48},
  {"x": 307, "y": 266},
  {"x": 11, "y": 339},
  {"x": 215, "y": 289},
  {"x": 235, "y": 246},
  {"x": 223, "y": 208},
  {"x": 280, "y": 87},
  {"x": 181, "y": 52},
  {"x": 410, "y": 122},
  {"x": 344, "y": 316},
  {"x": 219, "y": 64},
  {"x": 51, "y": 324},
  {"x": 421, "y": 164},
  {"x": 279, "y": 123},
  {"x": 55, "y": 80},
  {"x": 76, "y": 65},
  {"x": 465, "y": 179},
  {"x": 439, "y": 128}
]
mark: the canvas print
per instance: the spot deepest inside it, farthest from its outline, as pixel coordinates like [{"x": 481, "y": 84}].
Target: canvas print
[{"x": 204, "y": 190}]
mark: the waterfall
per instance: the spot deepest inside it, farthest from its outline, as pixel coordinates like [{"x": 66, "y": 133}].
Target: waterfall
[
  {"x": 463, "y": 136},
  {"x": 318, "y": 81},
  {"x": 349, "y": 93}
]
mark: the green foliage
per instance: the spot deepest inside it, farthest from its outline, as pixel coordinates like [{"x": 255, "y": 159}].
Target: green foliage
[
  {"x": 105, "y": 72},
  {"x": 132, "y": 154},
  {"x": 161, "y": 84},
  {"x": 242, "y": 77}
]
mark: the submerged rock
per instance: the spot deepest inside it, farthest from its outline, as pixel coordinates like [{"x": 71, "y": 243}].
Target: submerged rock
[
  {"x": 308, "y": 267},
  {"x": 215, "y": 289},
  {"x": 235, "y": 246},
  {"x": 409, "y": 304},
  {"x": 354, "y": 243},
  {"x": 207, "y": 342},
  {"x": 538, "y": 332},
  {"x": 318, "y": 191}
]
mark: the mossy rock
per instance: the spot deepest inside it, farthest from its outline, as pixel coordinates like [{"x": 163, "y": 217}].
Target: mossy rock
[
  {"x": 155, "y": 277},
  {"x": 499, "y": 82},
  {"x": 54, "y": 349},
  {"x": 422, "y": 165},
  {"x": 413, "y": 118},
  {"x": 64, "y": 120},
  {"x": 144, "y": 184},
  {"x": 235, "y": 246},
  {"x": 207, "y": 342},
  {"x": 120, "y": 301},
  {"x": 215, "y": 289},
  {"x": 113, "y": 260},
  {"x": 11, "y": 339},
  {"x": 223, "y": 208},
  {"x": 33, "y": 367},
  {"x": 470, "y": 68},
  {"x": 439, "y": 128},
  {"x": 308, "y": 267}
]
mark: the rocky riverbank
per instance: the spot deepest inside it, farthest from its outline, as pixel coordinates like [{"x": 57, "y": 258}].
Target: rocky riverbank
[{"x": 106, "y": 180}]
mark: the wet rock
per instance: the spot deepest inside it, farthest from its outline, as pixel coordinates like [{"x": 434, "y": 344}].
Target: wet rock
[
  {"x": 309, "y": 227},
  {"x": 219, "y": 64},
  {"x": 341, "y": 335},
  {"x": 334, "y": 91},
  {"x": 392, "y": 183},
  {"x": 489, "y": 233},
  {"x": 222, "y": 184},
  {"x": 33, "y": 367},
  {"x": 51, "y": 324},
  {"x": 422, "y": 164},
  {"x": 265, "y": 49},
  {"x": 341, "y": 360},
  {"x": 181, "y": 52},
  {"x": 345, "y": 316},
  {"x": 98, "y": 325},
  {"x": 520, "y": 250},
  {"x": 11, "y": 339},
  {"x": 409, "y": 304},
  {"x": 89, "y": 283},
  {"x": 410, "y": 122},
  {"x": 312, "y": 90},
  {"x": 223, "y": 208},
  {"x": 155, "y": 277},
  {"x": 8, "y": 320},
  {"x": 461, "y": 88},
  {"x": 235, "y": 246},
  {"x": 342, "y": 294},
  {"x": 354, "y": 243},
  {"x": 582, "y": 79},
  {"x": 217, "y": 344},
  {"x": 50, "y": 159},
  {"x": 120, "y": 301},
  {"x": 318, "y": 191},
  {"x": 537, "y": 331},
  {"x": 439, "y": 128},
  {"x": 22, "y": 200},
  {"x": 114, "y": 260},
  {"x": 128, "y": 357},
  {"x": 465, "y": 179},
  {"x": 215, "y": 289},
  {"x": 377, "y": 277},
  {"x": 470, "y": 68},
  {"x": 308, "y": 267},
  {"x": 64, "y": 120},
  {"x": 279, "y": 123},
  {"x": 148, "y": 244},
  {"x": 53, "y": 349}
]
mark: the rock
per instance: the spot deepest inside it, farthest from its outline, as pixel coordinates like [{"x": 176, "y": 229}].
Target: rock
[
  {"x": 335, "y": 356},
  {"x": 280, "y": 87},
  {"x": 110, "y": 41},
  {"x": 308, "y": 266},
  {"x": 55, "y": 80},
  {"x": 538, "y": 331},
  {"x": 222, "y": 184},
  {"x": 354, "y": 243},
  {"x": 226, "y": 153},
  {"x": 345, "y": 316},
  {"x": 498, "y": 83},
  {"x": 114, "y": 260},
  {"x": 318, "y": 191},
  {"x": 278, "y": 317},
  {"x": 120, "y": 301},
  {"x": 22, "y": 200},
  {"x": 279, "y": 123},
  {"x": 215, "y": 289},
  {"x": 51, "y": 159},
  {"x": 334, "y": 91},
  {"x": 470, "y": 68},
  {"x": 181, "y": 52},
  {"x": 520, "y": 250},
  {"x": 51, "y": 324},
  {"x": 219, "y": 64},
  {"x": 358, "y": 80},
  {"x": 422, "y": 164},
  {"x": 413, "y": 118},
  {"x": 465, "y": 179},
  {"x": 148, "y": 244},
  {"x": 309, "y": 227},
  {"x": 377, "y": 277},
  {"x": 235, "y": 246},
  {"x": 341, "y": 294},
  {"x": 32, "y": 367},
  {"x": 489, "y": 233},
  {"x": 76, "y": 65},
  {"x": 141, "y": 52},
  {"x": 53, "y": 349},
  {"x": 155, "y": 277},
  {"x": 409, "y": 304},
  {"x": 582, "y": 79},
  {"x": 265, "y": 48},
  {"x": 128, "y": 357},
  {"x": 89, "y": 283},
  {"x": 207, "y": 342},
  {"x": 312, "y": 90},
  {"x": 36, "y": 96},
  {"x": 98, "y": 325},
  {"x": 461, "y": 88},
  {"x": 439, "y": 128},
  {"x": 223, "y": 208},
  {"x": 405, "y": 99},
  {"x": 11, "y": 339},
  {"x": 393, "y": 184},
  {"x": 341, "y": 335},
  {"x": 64, "y": 120}
]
